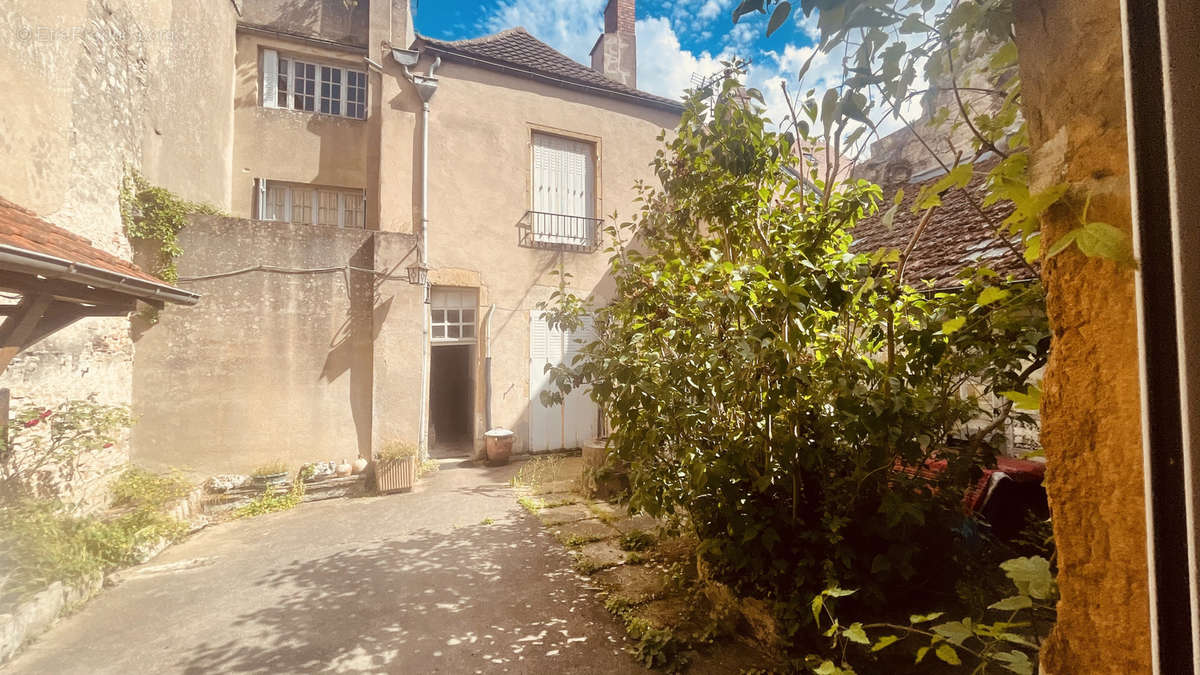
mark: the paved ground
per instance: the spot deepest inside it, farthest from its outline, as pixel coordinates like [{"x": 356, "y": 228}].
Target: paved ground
[{"x": 413, "y": 583}]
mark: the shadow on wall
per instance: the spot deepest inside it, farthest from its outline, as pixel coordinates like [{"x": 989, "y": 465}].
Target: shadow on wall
[
  {"x": 326, "y": 19},
  {"x": 430, "y": 601}
]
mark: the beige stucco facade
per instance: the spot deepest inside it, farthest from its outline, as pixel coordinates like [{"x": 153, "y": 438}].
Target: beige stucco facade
[
  {"x": 94, "y": 89},
  {"x": 307, "y": 365}
]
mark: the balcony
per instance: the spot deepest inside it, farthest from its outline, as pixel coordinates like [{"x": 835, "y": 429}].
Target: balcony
[{"x": 538, "y": 229}]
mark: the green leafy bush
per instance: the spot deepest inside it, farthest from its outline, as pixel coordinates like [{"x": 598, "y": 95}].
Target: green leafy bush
[
  {"x": 153, "y": 214},
  {"x": 273, "y": 499},
  {"x": 768, "y": 382},
  {"x": 138, "y": 487}
]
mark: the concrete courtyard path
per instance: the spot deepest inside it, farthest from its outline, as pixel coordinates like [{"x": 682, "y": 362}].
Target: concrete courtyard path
[{"x": 409, "y": 583}]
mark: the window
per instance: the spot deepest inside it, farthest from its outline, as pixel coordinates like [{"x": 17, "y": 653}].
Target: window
[
  {"x": 311, "y": 205},
  {"x": 564, "y": 192},
  {"x": 302, "y": 85},
  {"x": 452, "y": 314}
]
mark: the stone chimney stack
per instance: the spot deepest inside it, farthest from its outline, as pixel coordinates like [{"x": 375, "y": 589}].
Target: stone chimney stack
[{"x": 615, "y": 53}]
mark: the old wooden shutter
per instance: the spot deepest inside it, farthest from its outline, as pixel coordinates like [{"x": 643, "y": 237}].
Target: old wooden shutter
[{"x": 563, "y": 185}]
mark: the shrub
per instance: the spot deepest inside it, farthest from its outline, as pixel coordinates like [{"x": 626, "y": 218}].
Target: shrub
[
  {"x": 44, "y": 442},
  {"x": 397, "y": 450},
  {"x": 270, "y": 469},
  {"x": 139, "y": 487},
  {"x": 768, "y": 382}
]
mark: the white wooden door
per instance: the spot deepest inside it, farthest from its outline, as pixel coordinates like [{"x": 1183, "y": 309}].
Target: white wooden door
[{"x": 573, "y": 423}]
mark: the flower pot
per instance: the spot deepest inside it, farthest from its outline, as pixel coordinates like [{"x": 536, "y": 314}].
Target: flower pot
[
  {"x": 498, "y": 443},
  {"x": 394, "y": 475}
]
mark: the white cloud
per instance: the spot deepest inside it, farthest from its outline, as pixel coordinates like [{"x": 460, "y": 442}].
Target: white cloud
[{"x": 664, "y": 67}]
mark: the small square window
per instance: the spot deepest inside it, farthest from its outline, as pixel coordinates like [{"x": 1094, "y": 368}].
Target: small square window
[
  {"x": 439, "y": 316},
  {"x": 451, "y": 331},
  {"x": 468, "y": 316},
  {"x": 439, "y": 331},
  {"x": 452, "y": 316},
  {"x": 468, "y": 330}
]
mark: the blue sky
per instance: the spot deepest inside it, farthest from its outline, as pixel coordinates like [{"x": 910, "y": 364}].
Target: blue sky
[{"x": 676, "y": 38}]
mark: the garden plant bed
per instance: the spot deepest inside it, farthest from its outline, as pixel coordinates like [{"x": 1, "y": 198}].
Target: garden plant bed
[{"x": 646, "y": 578}]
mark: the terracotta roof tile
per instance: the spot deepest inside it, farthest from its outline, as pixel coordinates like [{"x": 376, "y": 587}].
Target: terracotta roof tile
[
  {"x": 21, "y": 228},
  {"x": 516, "y": 48},
  {"x": 956, "y": 237}
]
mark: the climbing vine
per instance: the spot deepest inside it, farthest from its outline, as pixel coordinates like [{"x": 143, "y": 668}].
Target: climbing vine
[{"x": 153, "y": 214}]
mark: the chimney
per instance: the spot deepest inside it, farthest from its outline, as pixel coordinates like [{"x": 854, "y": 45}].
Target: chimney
[{"x": 615, "y": 53}]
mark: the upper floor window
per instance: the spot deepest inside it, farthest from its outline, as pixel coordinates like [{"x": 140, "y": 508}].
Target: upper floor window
[
  {"x": 302, "y": 85},
  {"x": 311, "y": 204},
  {"x": 564, "y": 193}
]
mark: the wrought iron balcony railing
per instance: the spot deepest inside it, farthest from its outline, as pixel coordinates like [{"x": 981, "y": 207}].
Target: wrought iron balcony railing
[{"x": 539, "y": 229}]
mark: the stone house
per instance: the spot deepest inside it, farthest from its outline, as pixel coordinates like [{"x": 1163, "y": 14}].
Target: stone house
[{"x": 352, "y": 156}]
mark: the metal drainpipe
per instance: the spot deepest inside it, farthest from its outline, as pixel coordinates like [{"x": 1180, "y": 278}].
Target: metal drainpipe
[
  {"x": 487, "y": 372},
  {"x": 426, "y": 86}
]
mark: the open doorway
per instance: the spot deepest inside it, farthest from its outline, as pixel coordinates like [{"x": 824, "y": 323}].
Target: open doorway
[
  {"x": 451, "y": 393},
  {"x": 452, "y": 371}
]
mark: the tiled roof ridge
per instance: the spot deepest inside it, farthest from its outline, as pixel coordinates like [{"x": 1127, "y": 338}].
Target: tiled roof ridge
[{"x": 565, "y": 69}]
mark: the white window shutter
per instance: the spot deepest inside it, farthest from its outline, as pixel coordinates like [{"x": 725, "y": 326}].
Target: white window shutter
[{"x": 270, "y": 78}]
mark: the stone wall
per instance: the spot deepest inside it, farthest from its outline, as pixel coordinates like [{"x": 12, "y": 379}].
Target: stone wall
[
  {"x": 323, "y": 19},
  {"x": 279, "y": 363},
  {"x": 96, "y": 87},
  {"x": 1074, "y": 104}
]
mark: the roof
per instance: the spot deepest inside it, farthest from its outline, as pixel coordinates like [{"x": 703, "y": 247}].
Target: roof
[
  {"x": 956, "y": 237},
  {"x": 35, "y": 243},
  {"x": 516, "y": 50}
]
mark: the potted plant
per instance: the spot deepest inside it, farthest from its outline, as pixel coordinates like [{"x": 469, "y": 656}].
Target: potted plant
[
  {"x": 396, "y": 467},
  {"x": 274, "y": 473}
]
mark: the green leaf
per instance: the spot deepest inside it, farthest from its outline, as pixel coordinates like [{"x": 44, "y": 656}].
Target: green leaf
[
  {"x": 746, "y": 7},
  {"x": 885, "y": 641},
  {"x": 855, "y": 633},
  {"x": 923, "y": 618},
  {"x": 826, "y": 668},
  {"x": 1015, "y": 661},
  {"x": 782, "y": 11},
  {"x": 1012, "y": 603},
  {"x": 889, "y": 216},
  {"x": 946, "y": 653},
  {"x": 818, "y": 602},
  {"x": 1031, "y": 576},
  {"x": 951, "y": 325},
  {"x": 1062, "y": 244},
  {"x": 921, "y": 654},
  {"x": 991, "y": 294},
  {"x": 836, "y": 592},
  {"x": 954, "y": 631},
  {"x": 1101, "y": 240}
]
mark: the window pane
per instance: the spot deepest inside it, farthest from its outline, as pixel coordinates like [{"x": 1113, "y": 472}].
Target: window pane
[
  {"x": 452, "y": 331},
  {"x": 275, "y": 203},
  {"x": 468, "y": 316},
  {"x": 439, "y": 331},
  {"x": 302, "y": 206},
  {"x": 327, "y": 207},
  {"x": 468, "y": 330},
  {"x": 452, "y": 316},
  {"x": 439, "y": 316},
  {"x": 331, "y": 90},
  {"x": 281, "y": 97},
  {"x": 352, "y": 203}
]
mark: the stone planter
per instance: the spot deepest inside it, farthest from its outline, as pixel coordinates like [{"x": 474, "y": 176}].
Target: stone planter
[
  {"x": 271, "y": 479},
  {"x": 498, "y": 444},
  {"x": 395, "y": 475}
]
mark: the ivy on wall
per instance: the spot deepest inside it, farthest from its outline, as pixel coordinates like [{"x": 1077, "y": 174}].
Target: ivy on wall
[{"x": 150, "y": 213}]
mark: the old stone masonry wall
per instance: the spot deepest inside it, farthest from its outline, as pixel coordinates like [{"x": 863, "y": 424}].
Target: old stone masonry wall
[{"x": 84, "y": 82}]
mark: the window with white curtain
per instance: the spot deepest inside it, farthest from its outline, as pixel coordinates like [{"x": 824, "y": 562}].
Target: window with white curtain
[
  {"x": 297, "y": 84},
  {"x": 311, "y": 205},
  {"x": 564, "y": 190}
]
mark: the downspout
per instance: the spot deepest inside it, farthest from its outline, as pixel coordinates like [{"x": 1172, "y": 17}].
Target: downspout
[
  {"x": 487, "y": 371},
  {"x": 426, "y": 86}
]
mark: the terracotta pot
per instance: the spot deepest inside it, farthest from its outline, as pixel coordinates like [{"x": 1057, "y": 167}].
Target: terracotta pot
[{"x": 499, "y": 444}]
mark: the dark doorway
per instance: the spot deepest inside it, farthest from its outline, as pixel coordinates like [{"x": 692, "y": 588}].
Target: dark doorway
[{"x": 451, "y": 392}]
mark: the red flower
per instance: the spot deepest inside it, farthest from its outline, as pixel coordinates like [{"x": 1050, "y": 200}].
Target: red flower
[
  {"x": 108, "y": 445},
  {"x": 46, "y": 413},
  {"x": 33, "y": 422}
]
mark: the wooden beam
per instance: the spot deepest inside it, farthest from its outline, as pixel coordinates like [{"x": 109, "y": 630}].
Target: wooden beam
[{"x": 18, "y": 327}]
